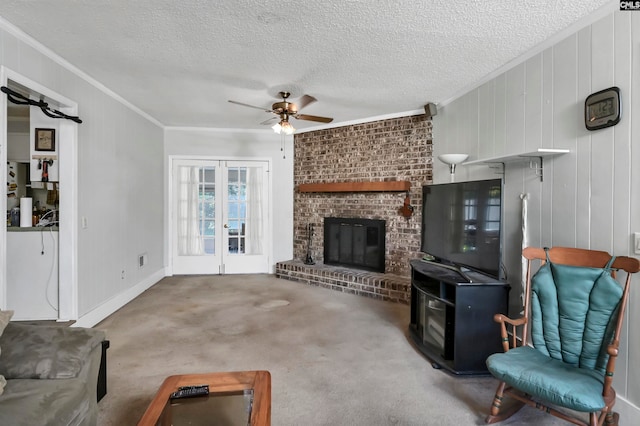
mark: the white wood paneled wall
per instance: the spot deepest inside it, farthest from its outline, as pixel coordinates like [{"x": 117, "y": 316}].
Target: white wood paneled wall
[{"x": 590, "y": 197}]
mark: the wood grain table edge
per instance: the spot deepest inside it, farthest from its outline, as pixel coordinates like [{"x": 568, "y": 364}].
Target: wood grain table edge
[{"x": 259, "y": 381}]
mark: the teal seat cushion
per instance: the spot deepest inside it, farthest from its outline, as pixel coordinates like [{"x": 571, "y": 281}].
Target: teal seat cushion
[{"x": 549, "y": 379}]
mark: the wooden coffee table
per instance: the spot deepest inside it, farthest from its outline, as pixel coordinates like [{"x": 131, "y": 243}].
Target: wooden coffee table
[{"x": 242, "y": 397}]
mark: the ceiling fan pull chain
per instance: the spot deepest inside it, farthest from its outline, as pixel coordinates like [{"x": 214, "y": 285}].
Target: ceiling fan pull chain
[{"x": 283, "y": 146}]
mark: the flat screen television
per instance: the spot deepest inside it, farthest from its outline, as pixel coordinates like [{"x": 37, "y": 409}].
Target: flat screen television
[{"x": 462, "y": 224}]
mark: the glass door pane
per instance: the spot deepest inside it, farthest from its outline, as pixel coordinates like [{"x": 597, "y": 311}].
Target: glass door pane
[
  {"x": 236, "y": 209},
  {"x": 207, "y": 195}
]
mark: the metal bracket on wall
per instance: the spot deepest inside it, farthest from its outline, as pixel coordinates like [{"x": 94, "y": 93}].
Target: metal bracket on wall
[
  {"x": 498, "y": 168},
  {"x": 539, "y": 169}
]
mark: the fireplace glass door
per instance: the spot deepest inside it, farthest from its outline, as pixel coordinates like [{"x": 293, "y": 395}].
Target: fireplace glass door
[{"x": 357, "y": 243}]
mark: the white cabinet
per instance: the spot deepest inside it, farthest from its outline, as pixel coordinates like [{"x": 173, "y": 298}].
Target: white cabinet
[{"x": 32, "y": 274}]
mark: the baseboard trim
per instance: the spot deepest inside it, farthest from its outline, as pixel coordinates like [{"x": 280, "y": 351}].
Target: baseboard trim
[
  {"x": 101, "y": 312},
  {"x": 627, "y": 410}
]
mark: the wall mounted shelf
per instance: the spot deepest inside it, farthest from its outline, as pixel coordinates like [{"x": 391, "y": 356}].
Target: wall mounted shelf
[
  {"x": 44, "y": 157},
  {"x": 388, "y": 186},
  {"x": 531, "y": 156}
]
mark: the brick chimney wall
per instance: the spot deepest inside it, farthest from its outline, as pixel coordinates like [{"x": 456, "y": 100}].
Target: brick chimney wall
[{"x": 386, "y": 150}]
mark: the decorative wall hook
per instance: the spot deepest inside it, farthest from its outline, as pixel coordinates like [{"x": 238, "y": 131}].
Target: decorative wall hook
[{"x": 407, "y": 209}]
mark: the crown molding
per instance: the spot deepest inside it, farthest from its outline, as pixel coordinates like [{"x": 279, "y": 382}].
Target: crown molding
[
  {"x": 42, "y": 49},
  {"x": 362, "y": 121},
  {"x": 215, "y": 129}
]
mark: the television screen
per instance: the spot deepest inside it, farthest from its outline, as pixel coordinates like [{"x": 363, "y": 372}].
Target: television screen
[{"x": 461, "y": 224}]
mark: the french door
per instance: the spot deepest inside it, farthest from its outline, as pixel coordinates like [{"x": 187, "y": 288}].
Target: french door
[{"x": 220, "y": 217}]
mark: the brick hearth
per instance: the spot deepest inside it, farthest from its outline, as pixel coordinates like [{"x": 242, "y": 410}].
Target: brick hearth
[{"x": 388, "y": 287}]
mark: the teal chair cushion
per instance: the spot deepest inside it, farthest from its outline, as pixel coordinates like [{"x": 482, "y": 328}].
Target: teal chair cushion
[
  {"x": 573, "y": 312},
  {"x": 549, "y": 379}
]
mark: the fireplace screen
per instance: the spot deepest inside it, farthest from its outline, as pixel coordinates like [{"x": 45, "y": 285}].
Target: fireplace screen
[{"x": 358, "y": 243}]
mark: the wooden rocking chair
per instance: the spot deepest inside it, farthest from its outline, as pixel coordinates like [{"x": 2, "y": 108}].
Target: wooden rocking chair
[{"x": 574, "y": 308}]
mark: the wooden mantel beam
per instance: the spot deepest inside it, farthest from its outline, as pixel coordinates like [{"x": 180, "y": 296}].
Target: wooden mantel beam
[{"x": 388, "y": 186}]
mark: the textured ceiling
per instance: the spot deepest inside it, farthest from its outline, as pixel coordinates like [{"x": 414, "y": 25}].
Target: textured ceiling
[{"x": 180, "y": 61}]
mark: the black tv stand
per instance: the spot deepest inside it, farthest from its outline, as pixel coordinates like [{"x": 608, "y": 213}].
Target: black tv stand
[{"x": 452, "y": 315}]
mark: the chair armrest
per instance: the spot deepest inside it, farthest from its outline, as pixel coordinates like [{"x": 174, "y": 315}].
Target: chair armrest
[
  {"x": 514, "y": 323},
  {"x": 46, "y": 352},
  {"x": 612, "y": 350}
]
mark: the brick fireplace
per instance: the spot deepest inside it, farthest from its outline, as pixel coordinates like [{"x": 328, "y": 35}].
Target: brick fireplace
[{"x": 397, "y": 149}]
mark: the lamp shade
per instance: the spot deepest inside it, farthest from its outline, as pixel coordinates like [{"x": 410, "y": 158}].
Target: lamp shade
[{"x": 453, "y": 158}]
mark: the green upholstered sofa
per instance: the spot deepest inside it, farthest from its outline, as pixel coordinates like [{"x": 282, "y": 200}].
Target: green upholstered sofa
[{"x": 51, "y": 374}]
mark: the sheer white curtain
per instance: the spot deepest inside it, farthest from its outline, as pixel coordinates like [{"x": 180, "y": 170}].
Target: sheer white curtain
[
  {"x": 254, "y": 218},
  {"x": 190, "y": 240}
]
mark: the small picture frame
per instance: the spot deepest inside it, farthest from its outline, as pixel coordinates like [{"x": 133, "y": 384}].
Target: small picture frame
[{"x": 45, "y": 139}]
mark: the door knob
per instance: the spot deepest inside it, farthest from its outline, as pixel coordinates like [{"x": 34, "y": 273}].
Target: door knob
[{"x": 226, "y": 226}]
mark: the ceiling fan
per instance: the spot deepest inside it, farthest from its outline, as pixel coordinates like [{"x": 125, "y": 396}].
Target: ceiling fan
[{"x": 285, "y": 110}]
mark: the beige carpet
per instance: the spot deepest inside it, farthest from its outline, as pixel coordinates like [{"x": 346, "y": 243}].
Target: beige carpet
[{"x": 334, "y": 358}]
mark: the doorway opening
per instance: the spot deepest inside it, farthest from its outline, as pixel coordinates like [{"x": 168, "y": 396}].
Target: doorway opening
[{"x": 61, "y": 298}]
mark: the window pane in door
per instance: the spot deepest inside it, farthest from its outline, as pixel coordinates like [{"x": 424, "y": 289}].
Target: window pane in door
[
  {"x": 251, "y": 212},
  {"x": 196, "y": 210},
  {"x": 236, "y": 209},
  {"x": 209, "y": 245},
  {"x": 207, "y": 208},
  {"x": 209, "y": 229},
  {"x": 210, "y": 175}
]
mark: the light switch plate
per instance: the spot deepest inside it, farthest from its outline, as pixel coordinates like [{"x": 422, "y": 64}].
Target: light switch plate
[{"x": 636, "y": 242}]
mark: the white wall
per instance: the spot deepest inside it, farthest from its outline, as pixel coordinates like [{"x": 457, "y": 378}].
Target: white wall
[
  {"x": 231, "y": 144},
  {"x": 120, "y": 179},
  {"x": 589, "y": 198},
  {"x": 18, "y": 147}
]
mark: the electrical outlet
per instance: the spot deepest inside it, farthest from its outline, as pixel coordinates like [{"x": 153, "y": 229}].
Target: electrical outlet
[
  {"x": 84, "y": 222},
  {"x": 636, "y": 242}
]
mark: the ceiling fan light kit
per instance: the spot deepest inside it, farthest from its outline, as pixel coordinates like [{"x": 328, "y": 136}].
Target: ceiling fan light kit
[
  {"x": 283, "y": 127},
  {"x": 285, "y": 109}
]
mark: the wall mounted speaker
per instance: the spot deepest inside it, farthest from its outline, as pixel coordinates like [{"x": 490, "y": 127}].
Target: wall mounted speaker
[{"x": 430, "y": 109}]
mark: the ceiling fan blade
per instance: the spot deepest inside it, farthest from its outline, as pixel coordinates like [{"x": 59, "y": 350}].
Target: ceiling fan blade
[
  {"x": 305, "y": 100},
  {"x": 313, "y": 118},
  {"x": 269, "y": 121},
  {"x": 250, "y": 106}
]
